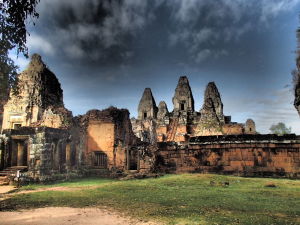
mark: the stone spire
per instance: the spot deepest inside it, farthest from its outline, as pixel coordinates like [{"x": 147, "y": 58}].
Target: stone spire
[
  {"x": 162, "y": 110},
  {"x": 183, "y": 100},
  {"x": 39, "y": 101},
  {"x": 39, "y": 85},
  {"x": 212, "y": 106},
  {"x": 147, "y": 106}
]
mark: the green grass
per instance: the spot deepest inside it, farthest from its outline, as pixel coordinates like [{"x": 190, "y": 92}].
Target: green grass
[
  {"x": 180, "y": 199},
  {"x": 76, "y": 183}
]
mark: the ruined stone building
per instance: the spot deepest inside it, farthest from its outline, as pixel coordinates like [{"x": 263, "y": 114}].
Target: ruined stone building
[
  {"x": 184, "y": 121},
  {"x": 39, "y": 133},
  {"x": 43, "y": 139}
]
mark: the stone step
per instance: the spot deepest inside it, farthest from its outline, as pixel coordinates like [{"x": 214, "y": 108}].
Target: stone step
[{"x": 12, "y": 170}]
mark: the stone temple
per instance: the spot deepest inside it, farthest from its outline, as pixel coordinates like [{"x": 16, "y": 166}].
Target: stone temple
[
  {"x": 184, "y": 122},
  {"x": 44, "y": 141}
]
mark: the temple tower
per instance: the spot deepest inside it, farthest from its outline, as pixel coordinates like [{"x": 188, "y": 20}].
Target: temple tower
[
  {"x": 39, "y": 101},
  {"x": 212, "y": 106},
  {"x": 183, "y": 100},
  {"x": 147, "y": 107}
]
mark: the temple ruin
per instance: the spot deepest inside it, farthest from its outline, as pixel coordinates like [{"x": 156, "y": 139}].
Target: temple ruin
[
  {"x": 184, "y": 122},
  {"x": 43, "y": 140}
]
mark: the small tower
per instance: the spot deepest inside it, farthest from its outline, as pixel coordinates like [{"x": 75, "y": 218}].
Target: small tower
[
  {"x": 183, "y": 100},
  {"x": 162, "y": 110},
  {"x": 147, "y": 107},
  {"x": 250, "y": 127}
]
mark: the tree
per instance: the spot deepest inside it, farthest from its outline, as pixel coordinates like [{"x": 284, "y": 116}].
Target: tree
[
  {"x": 13, "y": 33},
  {"x": 280, "y": 129}
]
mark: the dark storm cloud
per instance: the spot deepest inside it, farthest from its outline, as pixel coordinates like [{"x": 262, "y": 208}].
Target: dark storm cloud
[
  {"x": 112, "y": 30},
  {"x": 105, "y": 52},
  {"x": 93, "y": 29}
]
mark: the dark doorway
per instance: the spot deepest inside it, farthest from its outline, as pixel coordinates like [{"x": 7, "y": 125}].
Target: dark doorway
[
  {"x": 145, "y": 115},
  {"x": 133, "y": 159},
  {"x": 18, "y": 153},
  {"x": 181, "y": 106}
]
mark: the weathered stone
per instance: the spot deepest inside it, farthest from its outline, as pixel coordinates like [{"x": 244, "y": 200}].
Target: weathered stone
[
  {"x": 147, "y": 107},
  {"x": 213, "y": 105},
  {"x": 250, "y": 127},
  {"x": 247, "y": 155},
  {"x": 108, "y": 134},
  {"x": 179, "y": 125},
  {"x": 163, "y": 111},
  {"x": 39, "y": 101},
  {"x": 183, "y": 100}
]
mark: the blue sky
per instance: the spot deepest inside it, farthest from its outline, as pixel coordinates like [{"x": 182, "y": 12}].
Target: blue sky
[{"x": 105, "y": 53}]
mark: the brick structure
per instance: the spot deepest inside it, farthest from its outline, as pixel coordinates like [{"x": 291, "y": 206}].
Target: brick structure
[{"x": 247, "y": 155}]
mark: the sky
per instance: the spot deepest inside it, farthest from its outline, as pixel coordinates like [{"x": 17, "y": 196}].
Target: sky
[{"x": 105, "y": 53}]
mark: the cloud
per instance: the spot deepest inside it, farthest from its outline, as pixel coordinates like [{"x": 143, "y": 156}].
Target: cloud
[
  {"x": 19, "y": 60},
  {"x": 106, "y": 30},
  {"x": 93, "y": 29},
  {"x": 37, "y": 43},
  {"x": 271, "y": 9},
  {"x": 274, "y": 108},
  {"x": 204, "y": 24}
]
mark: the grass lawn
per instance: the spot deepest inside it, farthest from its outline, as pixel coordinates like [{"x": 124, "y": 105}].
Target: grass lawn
[{"x": 178, "y": 199}]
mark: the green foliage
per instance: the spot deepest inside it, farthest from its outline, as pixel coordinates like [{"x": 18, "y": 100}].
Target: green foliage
[
  {"x": 180, "y": 199},
  {"x": 13, "y": 16},
  {"x": 280, "y": 129}
]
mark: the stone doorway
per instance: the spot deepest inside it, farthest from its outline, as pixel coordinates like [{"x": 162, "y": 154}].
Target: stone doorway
[
  {"x": 132, "y": 158},
  {"x": 19, "y": 152}
]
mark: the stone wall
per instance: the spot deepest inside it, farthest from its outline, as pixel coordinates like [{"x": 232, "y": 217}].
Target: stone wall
[
  {"x": 45, "y": 151},
  {"x": 248, "y": 155},
  {"x": 108, "y": 137}
]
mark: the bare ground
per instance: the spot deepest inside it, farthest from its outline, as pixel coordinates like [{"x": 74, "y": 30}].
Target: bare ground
[
  {"x": 68, "y": 216},
  {"x": 62, "y": 215}
]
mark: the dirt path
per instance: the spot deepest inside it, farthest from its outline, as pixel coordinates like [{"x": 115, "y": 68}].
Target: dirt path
[{"x": 67, "y": 216}]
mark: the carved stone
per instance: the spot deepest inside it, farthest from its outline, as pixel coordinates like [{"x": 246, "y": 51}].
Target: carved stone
[
  {"x": 183, "y": 100},
  {"x": 39, "y": 101}
]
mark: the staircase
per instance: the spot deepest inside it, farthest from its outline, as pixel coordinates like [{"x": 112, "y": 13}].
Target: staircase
[
  {"x": 12, "y": 171},
  {"x": 172, "y": 131}
]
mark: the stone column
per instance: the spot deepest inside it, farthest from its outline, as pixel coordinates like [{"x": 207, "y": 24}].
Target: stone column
[
  {"x": 128, "y": 158},
  {"x": 68, "y": 155},
  {"x": 20, "y": 161}
]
